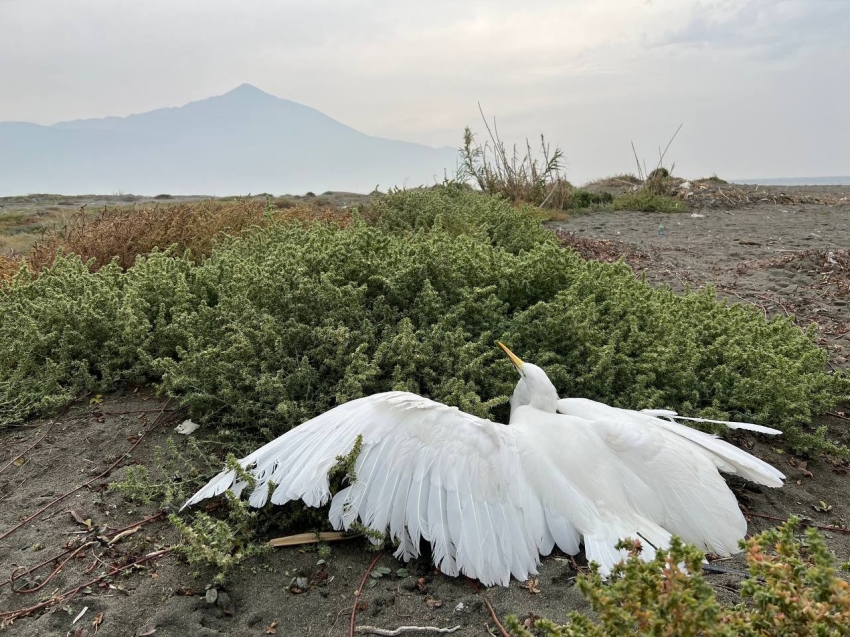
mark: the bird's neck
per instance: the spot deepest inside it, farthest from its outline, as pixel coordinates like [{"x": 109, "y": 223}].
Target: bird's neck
[{"x": 548, "y": 404}]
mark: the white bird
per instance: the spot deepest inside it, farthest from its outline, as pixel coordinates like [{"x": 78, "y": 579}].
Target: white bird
[{"x": 492, "y": 498}]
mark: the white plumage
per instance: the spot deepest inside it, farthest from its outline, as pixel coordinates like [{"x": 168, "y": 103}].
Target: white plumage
[{"x": 492, "y": 498}]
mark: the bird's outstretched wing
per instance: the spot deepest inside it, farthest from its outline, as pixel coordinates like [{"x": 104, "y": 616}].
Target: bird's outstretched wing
[
  {"x": 492, "y": 498},
  {"x": 726, "y": 457},
  {"x": 425, "y": 470},
  {"x": 671, "y": 475}
]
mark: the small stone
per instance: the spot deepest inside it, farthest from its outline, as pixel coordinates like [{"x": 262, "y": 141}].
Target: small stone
[{"x": 224, "y": 603}]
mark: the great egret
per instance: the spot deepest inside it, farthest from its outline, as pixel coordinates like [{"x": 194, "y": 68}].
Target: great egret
[{"x": 491, "y": 498}]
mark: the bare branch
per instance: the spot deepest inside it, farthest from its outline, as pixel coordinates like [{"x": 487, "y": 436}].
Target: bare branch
[{"x": 372, "y": 630}]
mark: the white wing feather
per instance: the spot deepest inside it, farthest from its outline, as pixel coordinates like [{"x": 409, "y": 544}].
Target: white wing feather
[
  {"x": 748, "y": 426},
  {"x": 425, "y": 471},
  {"x": 726, "y": 457},
  {"x": 492, "y": 498}
]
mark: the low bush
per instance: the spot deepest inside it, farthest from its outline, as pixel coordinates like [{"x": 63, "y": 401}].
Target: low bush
[
  {"x": 123, "y": 234},
  {"x": 8, "y": 267},
  {"x": 289, "y": 320},
  {"x": 714, "y": 179},
  {"x": 518, "y": 177},
  {"x": 792, "y": 589},
  {"x": 584, "y": 198}
]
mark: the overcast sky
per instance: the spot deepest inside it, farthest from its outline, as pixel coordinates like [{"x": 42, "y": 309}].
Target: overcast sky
[{"x": 761, "y": 86}]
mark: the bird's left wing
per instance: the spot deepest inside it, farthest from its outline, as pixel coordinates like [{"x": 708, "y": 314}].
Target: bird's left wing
[{"x": 425, "y": 471}]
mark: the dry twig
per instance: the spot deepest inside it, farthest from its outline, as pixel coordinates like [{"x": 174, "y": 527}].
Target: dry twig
[
  {"x": 360, "y": 593},
  {"x": 63, "y": 598},
  {"x": 24, "y": 591},
  {"x": 32, "y": 446},
  {"x": 309, "y": 538},
  {"x": 372, "y": 630},
  {"x": 31, "y": 517},
  {"x": 493, "y": 614}
]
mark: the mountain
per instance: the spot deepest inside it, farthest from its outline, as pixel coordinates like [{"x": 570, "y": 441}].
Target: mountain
[{"x": 245, "y": 141}]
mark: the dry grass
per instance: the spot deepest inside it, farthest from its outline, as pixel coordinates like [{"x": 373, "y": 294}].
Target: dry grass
[
  {"x": 16, "y": 245},
  {"x": 9, "y": 266},
  {"x": 519, "y": 177},
  {"x": 603, "y": 250},
  {"x": 126, "y": 233}
]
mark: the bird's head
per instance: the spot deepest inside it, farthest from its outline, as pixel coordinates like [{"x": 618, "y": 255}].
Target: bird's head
[{"x": 534, "y": 387}]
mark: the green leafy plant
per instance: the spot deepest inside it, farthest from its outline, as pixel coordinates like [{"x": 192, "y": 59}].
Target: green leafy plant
[
  {"x": 384, "y": 571},
  {"x": 793, "y": 589},
  {"x": 219, "y": 543},
  {"x": 222, "y": 543},
  {"x": 585, "y": 198},
  {"x": 173, "y": 477},
  {"x": 288, "y": 321}
]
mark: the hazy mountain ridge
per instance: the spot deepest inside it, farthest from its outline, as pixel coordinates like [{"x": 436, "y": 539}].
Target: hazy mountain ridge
[{"x": 243, "y": 141}]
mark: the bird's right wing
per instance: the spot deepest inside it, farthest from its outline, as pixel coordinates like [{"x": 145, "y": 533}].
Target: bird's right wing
[
  {"x": 726, "y": 457},
  {"x": 425, "y": 470}
]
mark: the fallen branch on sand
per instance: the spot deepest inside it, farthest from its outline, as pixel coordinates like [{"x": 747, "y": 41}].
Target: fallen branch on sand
[
  {"x": 359, "y": 593},
  {"x": 372, "y": 630},
  {"x": 489, "y": 606},
  {"x": 53, "y": 573},
  {"x": 8, "y": 617}
]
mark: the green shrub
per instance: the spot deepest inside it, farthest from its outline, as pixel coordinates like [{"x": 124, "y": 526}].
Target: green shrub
[
  {"x": 645, "y": 200},
  {"x": 793, "y": 589},
  {"x": 287, "y": 322},
  {"x": 714, "y": 179},
  {"x": 219, "y": 543},
  {"x": 457, "y": 211},
  {"x": 176, "y": 472},
  {"x": 58, "y": 337},
  {"x": 585, "y": 198}
]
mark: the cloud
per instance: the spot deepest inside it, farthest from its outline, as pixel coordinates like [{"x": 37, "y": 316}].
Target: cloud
[
  {"x": 770, "y": 28},
  {"x": 591, "y": 74}
]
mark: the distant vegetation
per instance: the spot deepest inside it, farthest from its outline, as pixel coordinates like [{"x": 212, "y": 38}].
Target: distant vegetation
[
  {"x": 412, "y": 295},
  {"x": 645, "y": 200},
  {"x": 124, "y": 233},
  {"x": 537, "y": 179}
]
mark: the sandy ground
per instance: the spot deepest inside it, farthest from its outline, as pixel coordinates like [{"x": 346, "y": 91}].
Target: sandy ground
[
  {"x": 168, "y": 597},
  {"x": 790, "y": 260}
]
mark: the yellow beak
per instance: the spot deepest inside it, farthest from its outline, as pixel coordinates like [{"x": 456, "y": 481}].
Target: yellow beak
[{"x": 514, "y": 358}]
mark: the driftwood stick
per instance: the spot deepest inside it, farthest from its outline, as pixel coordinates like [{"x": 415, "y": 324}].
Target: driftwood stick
[
  {"x": 372, "y": 630},
  {"x": 359, "y": 594}
]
